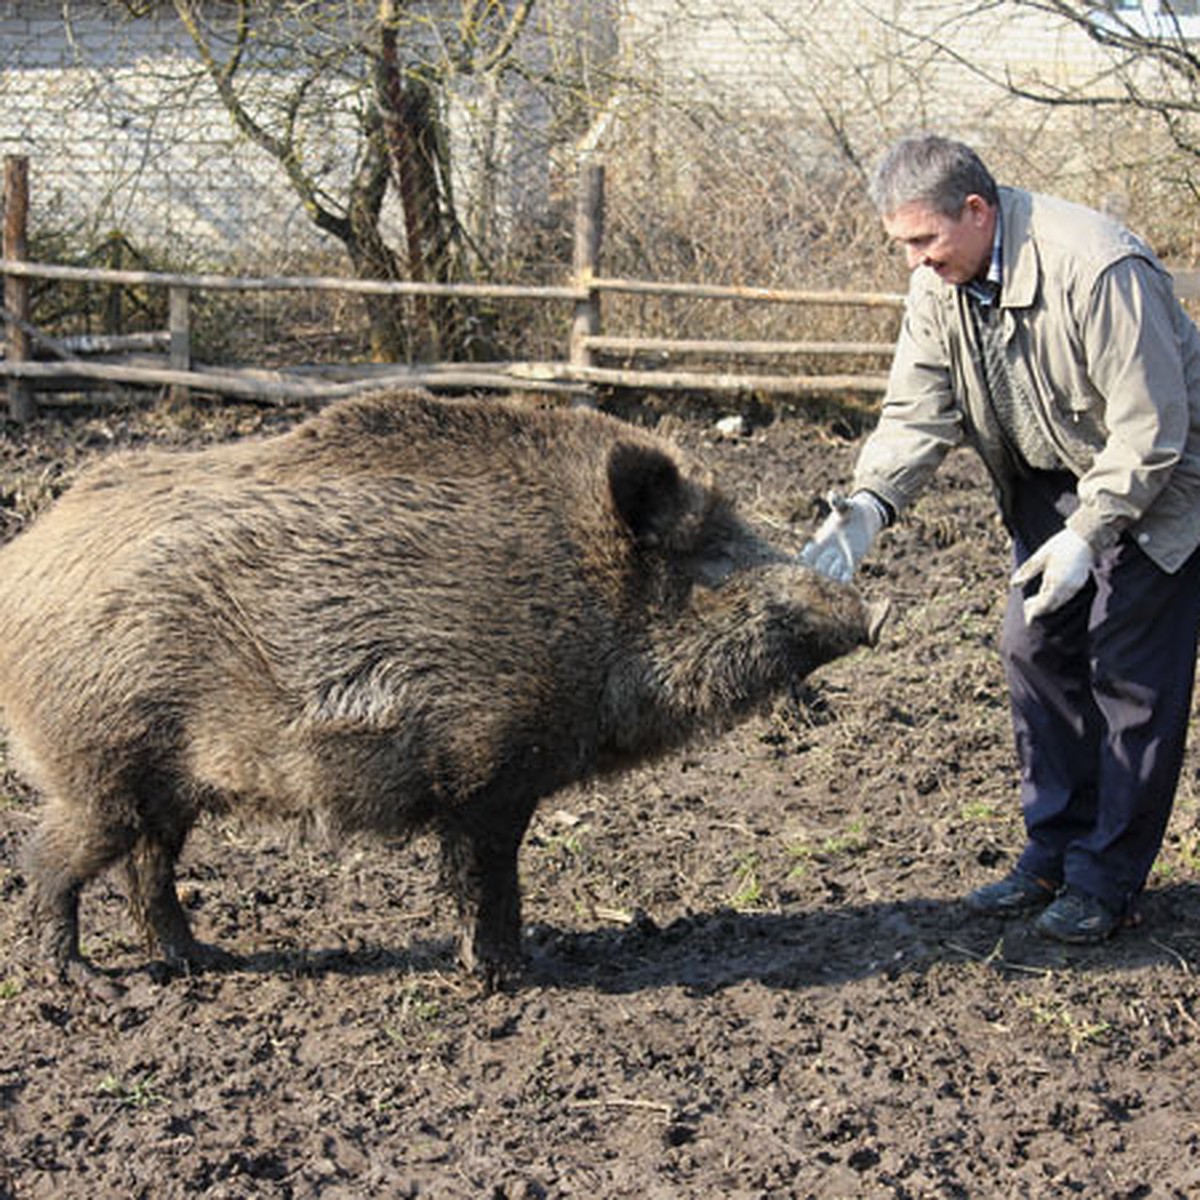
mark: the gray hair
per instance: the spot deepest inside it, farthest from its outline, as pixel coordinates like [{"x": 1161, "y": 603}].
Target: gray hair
[{"x": 932, "y": 171}]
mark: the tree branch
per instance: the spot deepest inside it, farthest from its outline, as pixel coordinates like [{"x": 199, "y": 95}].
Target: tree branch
[{"x": 282, "y": 150}]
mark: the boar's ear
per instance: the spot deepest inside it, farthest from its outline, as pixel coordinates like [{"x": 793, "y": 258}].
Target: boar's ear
[{"x": 647, "y": 490}]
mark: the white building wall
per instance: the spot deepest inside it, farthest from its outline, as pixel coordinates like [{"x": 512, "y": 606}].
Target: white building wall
[
  {"x": 759, "y": 56},
  {"x": 124, "y": 133},
  {"x": 123, "y": 137},
  {"x": 833, "y": 79}
]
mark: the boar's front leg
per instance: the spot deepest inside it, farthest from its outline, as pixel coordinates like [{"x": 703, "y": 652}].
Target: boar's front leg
[{"x": 480, "y": 844}]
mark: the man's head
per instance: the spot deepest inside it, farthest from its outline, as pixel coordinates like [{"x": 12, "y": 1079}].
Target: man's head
[{"x": 939, "y": 202}]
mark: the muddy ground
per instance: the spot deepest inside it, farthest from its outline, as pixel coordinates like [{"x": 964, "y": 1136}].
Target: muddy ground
[{"x": 752, "y": 973}]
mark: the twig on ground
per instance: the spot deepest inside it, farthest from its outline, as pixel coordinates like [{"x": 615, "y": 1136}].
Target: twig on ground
[{"x": 657, "y": 1106}]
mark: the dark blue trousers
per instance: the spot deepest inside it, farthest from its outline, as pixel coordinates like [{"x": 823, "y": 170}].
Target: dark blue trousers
[{"x": 1101, "y": 693}]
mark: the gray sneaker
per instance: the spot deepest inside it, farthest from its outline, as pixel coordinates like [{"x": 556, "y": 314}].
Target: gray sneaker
[
  {"x": 1078, "y": 918},
  {"x": 1014, "y": 895}
]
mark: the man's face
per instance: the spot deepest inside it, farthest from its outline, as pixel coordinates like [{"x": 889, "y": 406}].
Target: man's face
[{"x": 958, "y": 249}]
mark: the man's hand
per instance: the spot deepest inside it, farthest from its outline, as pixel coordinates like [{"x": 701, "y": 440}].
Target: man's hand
[
  {"x": 844, "y": 536},
  {"x": 1064, "y": 562}
]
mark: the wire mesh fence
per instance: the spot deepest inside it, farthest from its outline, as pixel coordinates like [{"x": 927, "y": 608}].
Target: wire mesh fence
[{"x": 443, "y": 142}]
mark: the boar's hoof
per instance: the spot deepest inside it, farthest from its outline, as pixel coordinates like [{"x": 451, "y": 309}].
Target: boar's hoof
[
  {"x": 80, "y": 975},
  {"x": 196, "y": 958},
  {"x": 497, "y": 972},
  {"x": 503, "y": 976}
]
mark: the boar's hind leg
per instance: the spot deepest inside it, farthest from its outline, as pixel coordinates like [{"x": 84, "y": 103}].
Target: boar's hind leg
[
  {"x": 479, "y": 867},
  {"x": 154, "y": 900},
  {"x": 67, "y": 851}
]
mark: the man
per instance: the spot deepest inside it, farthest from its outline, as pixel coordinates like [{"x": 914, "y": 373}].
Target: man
[{"x": 1048, "y": 337}]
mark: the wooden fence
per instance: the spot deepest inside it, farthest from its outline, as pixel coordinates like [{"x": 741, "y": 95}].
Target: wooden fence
[{"x": 580, "y": 369}]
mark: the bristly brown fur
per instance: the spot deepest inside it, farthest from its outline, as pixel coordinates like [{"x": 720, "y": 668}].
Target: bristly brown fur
[{"x": 404, "y": 614}]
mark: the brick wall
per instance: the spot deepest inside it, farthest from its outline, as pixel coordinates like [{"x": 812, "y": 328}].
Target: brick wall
[
  {"x": 125, "y": 134},
  {"x": 117, "y": 142},
  {"x": 766, "y": 55}
]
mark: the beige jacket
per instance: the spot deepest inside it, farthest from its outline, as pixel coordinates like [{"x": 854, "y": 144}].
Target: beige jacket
[{"x": 1110, "y": 358}]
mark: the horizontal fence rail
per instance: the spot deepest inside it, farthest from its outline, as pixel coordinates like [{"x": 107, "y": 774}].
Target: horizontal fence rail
[
  {"x": 165, "y": 358},
  {"x": 283, "y": 283},
  {"x": 579, "y": 373},
  {"x": 34, "y": 358},
  {"x": 327, "y": 383},
  {"x": 710, "y": 346},
  {"x": 379, "y": 287},
  {"x": 707, "y": 291}
]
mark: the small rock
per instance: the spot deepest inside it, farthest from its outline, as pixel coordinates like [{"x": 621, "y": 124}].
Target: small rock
[{"x": 733, "y": 426}]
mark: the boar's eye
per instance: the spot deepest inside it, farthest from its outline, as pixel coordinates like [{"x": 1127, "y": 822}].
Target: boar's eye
[
  {"x": 713, "y": 570},
  {"x": 646, "y": 489}
]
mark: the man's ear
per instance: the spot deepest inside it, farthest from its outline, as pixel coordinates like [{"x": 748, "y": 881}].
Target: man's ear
[{"x": 977, "y": 208}]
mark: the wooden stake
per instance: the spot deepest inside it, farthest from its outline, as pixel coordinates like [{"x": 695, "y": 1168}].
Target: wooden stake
[
  {"x": 589, "y": 233},
  {"x": 16, "y": 290}
]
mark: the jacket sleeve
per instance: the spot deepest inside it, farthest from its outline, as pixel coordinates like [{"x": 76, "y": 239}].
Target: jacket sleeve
[
  {"x": 1132, "y": 346},
  {"x": 919, "y": 422}
]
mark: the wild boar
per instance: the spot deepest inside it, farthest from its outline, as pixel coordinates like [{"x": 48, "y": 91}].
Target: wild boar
[{"x": 403, "y": 615}]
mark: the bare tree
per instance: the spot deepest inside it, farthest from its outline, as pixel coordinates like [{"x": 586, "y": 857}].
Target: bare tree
[
  {"x": 1150, "y": 63},
  {"x": 391, "y": 66}
]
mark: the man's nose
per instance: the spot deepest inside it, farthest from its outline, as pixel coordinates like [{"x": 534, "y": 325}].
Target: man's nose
[{"x": 916, "y": 257}]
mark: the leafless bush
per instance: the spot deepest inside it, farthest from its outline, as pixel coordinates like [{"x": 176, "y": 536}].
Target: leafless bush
[{"x": 763, "y": 206}]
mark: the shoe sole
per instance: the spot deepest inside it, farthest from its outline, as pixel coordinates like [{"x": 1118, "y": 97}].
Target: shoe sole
[
  {"x": 1132, "y": 921},
  {"x": 1089, "y": 939},
  {"x": 1022, "y": 909}
]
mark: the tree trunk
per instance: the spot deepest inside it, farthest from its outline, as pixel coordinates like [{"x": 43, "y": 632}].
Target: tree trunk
[
  {"x": 412, "y": 135},
  {"x": 370, "y": 255}
]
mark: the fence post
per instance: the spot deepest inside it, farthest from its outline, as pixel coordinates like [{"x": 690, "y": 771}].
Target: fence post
[
  {"x": 115, "y": 261},
  {"x": 179, "y": 324},
  {"x": 589, "y": 235},
  {"x": 16, "y": 288}
]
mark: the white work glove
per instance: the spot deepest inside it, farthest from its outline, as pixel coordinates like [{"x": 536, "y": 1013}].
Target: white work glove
[
  {"x": 1064, "y": 562},
  {"x": 844, "y": 536}
]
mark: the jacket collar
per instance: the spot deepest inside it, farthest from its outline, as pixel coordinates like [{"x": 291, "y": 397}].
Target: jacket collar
[{"x": 1022, "y": 270}]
